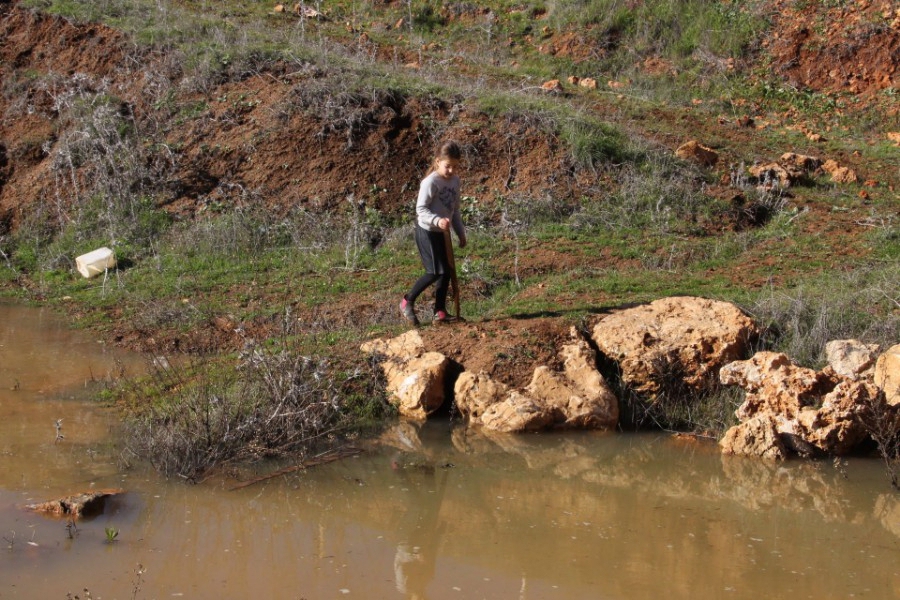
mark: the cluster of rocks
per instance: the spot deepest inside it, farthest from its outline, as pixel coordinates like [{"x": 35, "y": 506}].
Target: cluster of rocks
[
  {"x": 555, "y": 86},
  {"x": 789, "y": 409},
  {"x": 578, "y": 397},
  {"x": 788, "y": 170},
  {"x": 686, "y": 344},
  {"x": 300, "y": 10}
]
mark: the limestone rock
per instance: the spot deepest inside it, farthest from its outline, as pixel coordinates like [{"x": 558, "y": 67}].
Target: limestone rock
[
  {"x": 577, "y": 397},
  {"x": 404, "y": 346},
  {"x": 674, "y": 342},
  {"x": 415, "y": 378},
  {"x": 755, "y": 437},
  {"x": 597, "y": 406},
  {"x": 695, "y": 151},
  {"x": 417, "y": 385},
  {"x": 800, "y": 161},
  {"x": 887, "y": 375},
  {"x": 813, "y": 413},
  {"x": 774, "y": 385},
  {"x": 588, "y": 83},
  {"x": 306, "y": 11},
  {"x": 475, "y": 393},
  {"x": 851, "y": 358},
  {"x": 552, "y": 86},
  {"x": 837, "y": 427},
  {"x": 838, "y": 173},
  {"x": 516, "y": 412},
  {"x": 773, "y": 174}
]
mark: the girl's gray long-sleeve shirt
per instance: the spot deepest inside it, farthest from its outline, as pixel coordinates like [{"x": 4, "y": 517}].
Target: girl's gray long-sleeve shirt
[{"x": 439, "y": 199}]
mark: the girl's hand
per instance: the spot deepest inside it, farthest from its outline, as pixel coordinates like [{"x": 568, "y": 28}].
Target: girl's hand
[
  {"x": 462, "y": 242},
  {"x": 444, "y": 223}
]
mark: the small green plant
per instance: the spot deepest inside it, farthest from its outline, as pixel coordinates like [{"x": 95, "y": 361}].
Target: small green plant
[{"x": 112, "y": 534}]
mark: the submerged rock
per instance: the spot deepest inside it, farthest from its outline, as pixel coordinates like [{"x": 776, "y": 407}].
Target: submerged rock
[
  {"x": 757, "y": 436},
  {"x": 83, "y": 504}
]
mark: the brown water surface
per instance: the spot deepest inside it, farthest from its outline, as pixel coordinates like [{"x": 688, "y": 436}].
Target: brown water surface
[{"x": 426, "y": 512}]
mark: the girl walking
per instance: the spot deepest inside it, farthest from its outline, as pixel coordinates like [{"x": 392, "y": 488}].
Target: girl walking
[{"x": 437, "y": 210}]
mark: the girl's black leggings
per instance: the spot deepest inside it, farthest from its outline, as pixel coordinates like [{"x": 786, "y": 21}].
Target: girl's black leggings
[{"x": 440, "y": 290}]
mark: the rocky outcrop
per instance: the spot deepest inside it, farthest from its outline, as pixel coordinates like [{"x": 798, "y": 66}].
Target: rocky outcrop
[
  {"x": 697, "y": 152},
  {"x": 851, "y": 359},
  {"x": 674, "y": 346},
  {"x": 415, "y": 378},
  {"x": 774, "y": 385},
  {"x": 575, "y": 397},
  {"x": 887, "y": 375},
  {"x": 770, "y": 175},
  {"x": 674, "y": 342},
  {"x": 788, "y": 407},
  {"x": 790, "y": 169},
  {"x": 578, "y": 397},
  {"x": 839, "y": 173},
  {"x": 515, "y": 412},
  {"x": 806, "y": 164}
]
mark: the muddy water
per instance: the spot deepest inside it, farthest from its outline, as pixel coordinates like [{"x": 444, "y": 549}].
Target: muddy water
[{"x": 433, "y": 512}]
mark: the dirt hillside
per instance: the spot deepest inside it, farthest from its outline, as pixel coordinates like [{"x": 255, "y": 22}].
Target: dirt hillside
[{"x": 255, "y": 143}]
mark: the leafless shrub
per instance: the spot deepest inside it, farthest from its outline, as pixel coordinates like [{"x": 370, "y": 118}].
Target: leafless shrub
[
  {"x": 155, "y": 314},
  {"x": 105, "y": 172},
  {"x": 343, "y": 108},
  {"x": 653, "y": 194},
  {"x": 882, "y": 421},
  {"x": 856, "y": 304},
  {"x": 275, "y": 401},
  {"x": 707, "y": 413}
]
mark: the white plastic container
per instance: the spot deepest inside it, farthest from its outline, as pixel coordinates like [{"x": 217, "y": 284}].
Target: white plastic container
[{"x": 95, "y": 262}]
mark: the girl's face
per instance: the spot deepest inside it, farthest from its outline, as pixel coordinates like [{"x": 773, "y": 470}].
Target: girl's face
[{"x": 446, "y": 167}]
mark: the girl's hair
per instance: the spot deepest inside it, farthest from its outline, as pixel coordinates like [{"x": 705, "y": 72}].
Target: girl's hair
[{"x": 448, "y": 150}]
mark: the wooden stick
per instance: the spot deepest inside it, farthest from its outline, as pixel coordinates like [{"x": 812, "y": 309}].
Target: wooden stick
[
  {"x": 326, "y": 457},
  {"x": 451, "y": 261}
]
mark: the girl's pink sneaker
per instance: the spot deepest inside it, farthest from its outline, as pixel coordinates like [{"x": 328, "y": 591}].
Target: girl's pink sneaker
[{"x": 408, "y": 312}]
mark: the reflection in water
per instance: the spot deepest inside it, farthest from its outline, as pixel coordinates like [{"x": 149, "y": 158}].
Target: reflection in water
[
  {"x": 430, "y": 511},
  {"x": 421, "y": 528}
]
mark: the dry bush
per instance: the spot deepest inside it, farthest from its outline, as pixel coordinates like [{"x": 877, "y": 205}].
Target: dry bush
[
  {"x": 186, "y": 421},
  {"x": 105, "y": 172},
  {"x": 882, "y": 421},
  {"x": 858, "y": 304}
]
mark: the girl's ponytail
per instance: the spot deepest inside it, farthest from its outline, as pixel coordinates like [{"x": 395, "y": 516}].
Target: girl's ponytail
[{"x": 448, "y": 150}]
